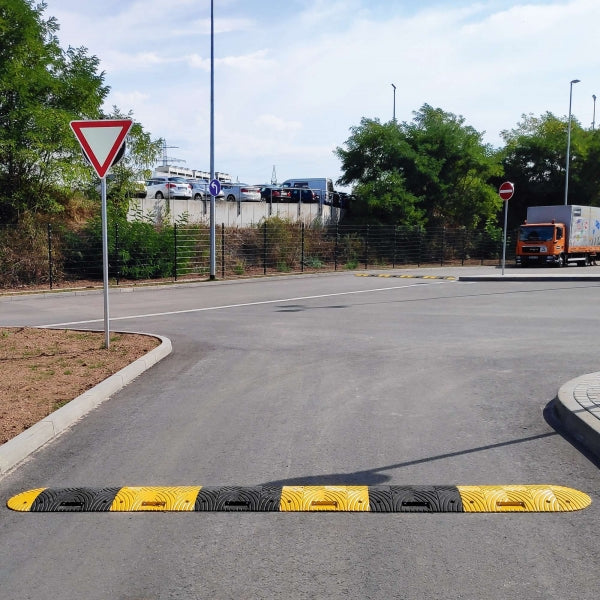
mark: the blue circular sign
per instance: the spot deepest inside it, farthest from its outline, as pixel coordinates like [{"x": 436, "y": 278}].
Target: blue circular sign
[{"x": 214, "y": 187}]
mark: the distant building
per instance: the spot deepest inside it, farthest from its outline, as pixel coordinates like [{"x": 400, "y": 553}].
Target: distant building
[{"x": 173, "y": 171}]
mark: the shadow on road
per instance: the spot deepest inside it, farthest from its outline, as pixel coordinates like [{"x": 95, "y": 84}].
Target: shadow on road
[{"x": 377, "y": 476}]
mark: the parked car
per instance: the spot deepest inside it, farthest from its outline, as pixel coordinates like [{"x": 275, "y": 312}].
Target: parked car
[
  {"x": 200, "y": 190},
  {"x": 241, "y": 192},
  {"x": 304, "y": 195},
  {"x": 275, "y": 194},
  {"x": 168, "y": 187}
]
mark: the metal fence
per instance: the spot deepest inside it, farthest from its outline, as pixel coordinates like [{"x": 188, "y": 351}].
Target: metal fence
[{"x": 55, "y": 256}]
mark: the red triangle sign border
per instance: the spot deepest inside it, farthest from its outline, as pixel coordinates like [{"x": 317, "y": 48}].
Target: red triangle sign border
[{"x": 79, "y": 128}]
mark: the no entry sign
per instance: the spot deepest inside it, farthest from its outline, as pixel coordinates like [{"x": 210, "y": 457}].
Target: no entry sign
[{"x": 506, "y": 191}]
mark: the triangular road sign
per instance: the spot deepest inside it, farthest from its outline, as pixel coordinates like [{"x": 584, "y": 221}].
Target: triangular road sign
[{"x": 101, "y": 140}]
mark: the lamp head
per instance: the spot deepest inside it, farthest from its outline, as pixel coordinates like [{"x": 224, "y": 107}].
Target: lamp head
[{"x": 575, "y": 81}]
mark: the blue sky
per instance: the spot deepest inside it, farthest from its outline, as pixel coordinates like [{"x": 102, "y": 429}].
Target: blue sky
[{"x": 292, "y": 77}]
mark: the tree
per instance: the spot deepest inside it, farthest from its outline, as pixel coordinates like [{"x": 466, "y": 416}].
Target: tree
[
  {"x": 42, "y": 88},
  {"x": 534, "y": 160},
  {"x": 433, "y": 170}
]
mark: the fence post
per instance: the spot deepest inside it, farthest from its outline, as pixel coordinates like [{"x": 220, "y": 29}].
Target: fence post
[
  {"x": 367, "y": 249},
  {"x": 175, "y": 253},
  {"x": 222, "y": 250},
  {"x": 443, "y": 246},
  {"x": 265, "y": 248},
  {"x": 50, "y": 253},
  {"x": 464, "y": 247},
  {"x": 420, "y": 257},
  {"x": 395, "y": 246},
  {"x": 302, "y": 247},
  {"x": 336, "y": 246}
]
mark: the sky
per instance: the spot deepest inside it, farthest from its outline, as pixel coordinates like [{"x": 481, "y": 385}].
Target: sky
[{"x": 292, "y": 77}]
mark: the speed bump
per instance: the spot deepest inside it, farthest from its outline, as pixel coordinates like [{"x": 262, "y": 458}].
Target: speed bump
[
  {"x": 305, "y": 498},
  {"x": 388, "y": 275}
]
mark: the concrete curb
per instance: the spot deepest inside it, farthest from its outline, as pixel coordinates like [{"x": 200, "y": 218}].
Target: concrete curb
[
  {"x": 20, "y": 447},
  {"x": 579, "y": 415}
]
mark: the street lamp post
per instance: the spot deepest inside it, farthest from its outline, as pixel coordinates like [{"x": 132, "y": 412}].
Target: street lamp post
[
  {"x": 569, "y": 141},
  {"x": 594, "y": 113},
  {"x": 394, "y": 113}
]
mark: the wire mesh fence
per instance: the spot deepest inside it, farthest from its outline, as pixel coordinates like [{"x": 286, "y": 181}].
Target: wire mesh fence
[{"x": 54, "y": 256}]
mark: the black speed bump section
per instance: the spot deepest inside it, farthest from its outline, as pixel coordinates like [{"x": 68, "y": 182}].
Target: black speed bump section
[{"x": 333, "y": 498}]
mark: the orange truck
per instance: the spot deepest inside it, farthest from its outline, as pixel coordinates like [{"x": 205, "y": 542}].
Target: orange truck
[{"x": 558, "y": 235}]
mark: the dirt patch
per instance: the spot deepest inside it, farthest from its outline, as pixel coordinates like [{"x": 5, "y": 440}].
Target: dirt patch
[{"x": 43, "y": 369}]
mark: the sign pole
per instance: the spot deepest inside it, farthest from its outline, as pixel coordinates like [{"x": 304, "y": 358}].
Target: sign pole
[
  {"x": 506, "y": 191},
  {"x": 213, "y": 252},
  {"x": 504, "y": 245},
  {"x": 105, "y": 262}
]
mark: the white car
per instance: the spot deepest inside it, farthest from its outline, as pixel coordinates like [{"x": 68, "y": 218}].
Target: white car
[
  {"x": 168, "y": 187},
  {"x": 241, "y": 192}
]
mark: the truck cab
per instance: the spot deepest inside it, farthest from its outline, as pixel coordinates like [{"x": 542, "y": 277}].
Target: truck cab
[{"x": 541, "y": 244}]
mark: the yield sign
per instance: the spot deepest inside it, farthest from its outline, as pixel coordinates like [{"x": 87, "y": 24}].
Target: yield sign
[
  {"x": 506, "y": 191},
  {"x": 101, "y": 141}
]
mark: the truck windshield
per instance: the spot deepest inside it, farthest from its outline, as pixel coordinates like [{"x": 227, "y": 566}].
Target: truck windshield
[{"x": 536, "y": 234}]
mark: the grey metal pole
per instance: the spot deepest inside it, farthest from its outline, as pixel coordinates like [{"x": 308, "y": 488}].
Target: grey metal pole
[
  {"x": 105, "y": 262},
  {"x": 569, "y": 142},
  {"x": 594, "y": 113},
  {"x": 504, "y": 242},
  {"x": 213, "y": 253},
  {"x": 394, "y": 113}
]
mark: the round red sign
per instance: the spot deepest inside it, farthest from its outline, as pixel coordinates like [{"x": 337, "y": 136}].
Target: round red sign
[{"x": 506, "y": 191}]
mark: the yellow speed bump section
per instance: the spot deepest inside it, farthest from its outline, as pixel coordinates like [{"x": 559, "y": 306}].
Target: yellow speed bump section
[
  {"x": 521, "y": 498},
  {"x": 24, "y": 501},
  {"x": 324, "y": 498},
  {"x": 155, "y": 499}
]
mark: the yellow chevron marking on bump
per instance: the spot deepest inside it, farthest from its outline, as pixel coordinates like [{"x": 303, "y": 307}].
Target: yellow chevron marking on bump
[
  {"x": 23, "y": 501},
  {"x": 521, "y": 498},
  {"x": 325, "y": 498},
  {"x": 155, "y": 499}
]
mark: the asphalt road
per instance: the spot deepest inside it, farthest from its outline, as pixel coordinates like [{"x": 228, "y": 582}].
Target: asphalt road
[{"x": 320, "y": 380}]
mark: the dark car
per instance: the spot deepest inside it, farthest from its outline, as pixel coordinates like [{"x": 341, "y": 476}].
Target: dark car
[
  {"x": 304, "y": 195},
  {"x": 275, "y": 194}
]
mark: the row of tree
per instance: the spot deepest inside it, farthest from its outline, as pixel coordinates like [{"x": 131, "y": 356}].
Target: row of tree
[
  {"x": 42, "y": 89},
  {"x": 435, "y": 170}
]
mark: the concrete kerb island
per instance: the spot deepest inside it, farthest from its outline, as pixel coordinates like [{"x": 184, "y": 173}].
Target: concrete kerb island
[
  {"x": 578, "y": 408},
  {"x": 20, "y": 447}
]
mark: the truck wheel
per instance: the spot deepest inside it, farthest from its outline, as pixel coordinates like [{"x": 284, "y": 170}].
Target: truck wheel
[{"x": 560, "y": 262}]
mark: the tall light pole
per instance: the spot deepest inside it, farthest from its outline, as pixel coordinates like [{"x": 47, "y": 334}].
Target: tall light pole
[
  {"x": 213, "y": 250},
  {"x": 394, "y": 102},
  {"x": 594, "y": 113},
  {"x": 569, "y": 141}
]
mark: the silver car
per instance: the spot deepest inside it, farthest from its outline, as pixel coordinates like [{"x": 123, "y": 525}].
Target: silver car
[
  {"x": 241, "y": 192},
  {"x": 168, "y": 187}
]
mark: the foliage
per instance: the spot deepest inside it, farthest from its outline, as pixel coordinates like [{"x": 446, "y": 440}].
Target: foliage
[
  {"x": 42, "y": 88},
  {"x": 534, "y": 159},
  {"x": 435, "y": 169}
]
